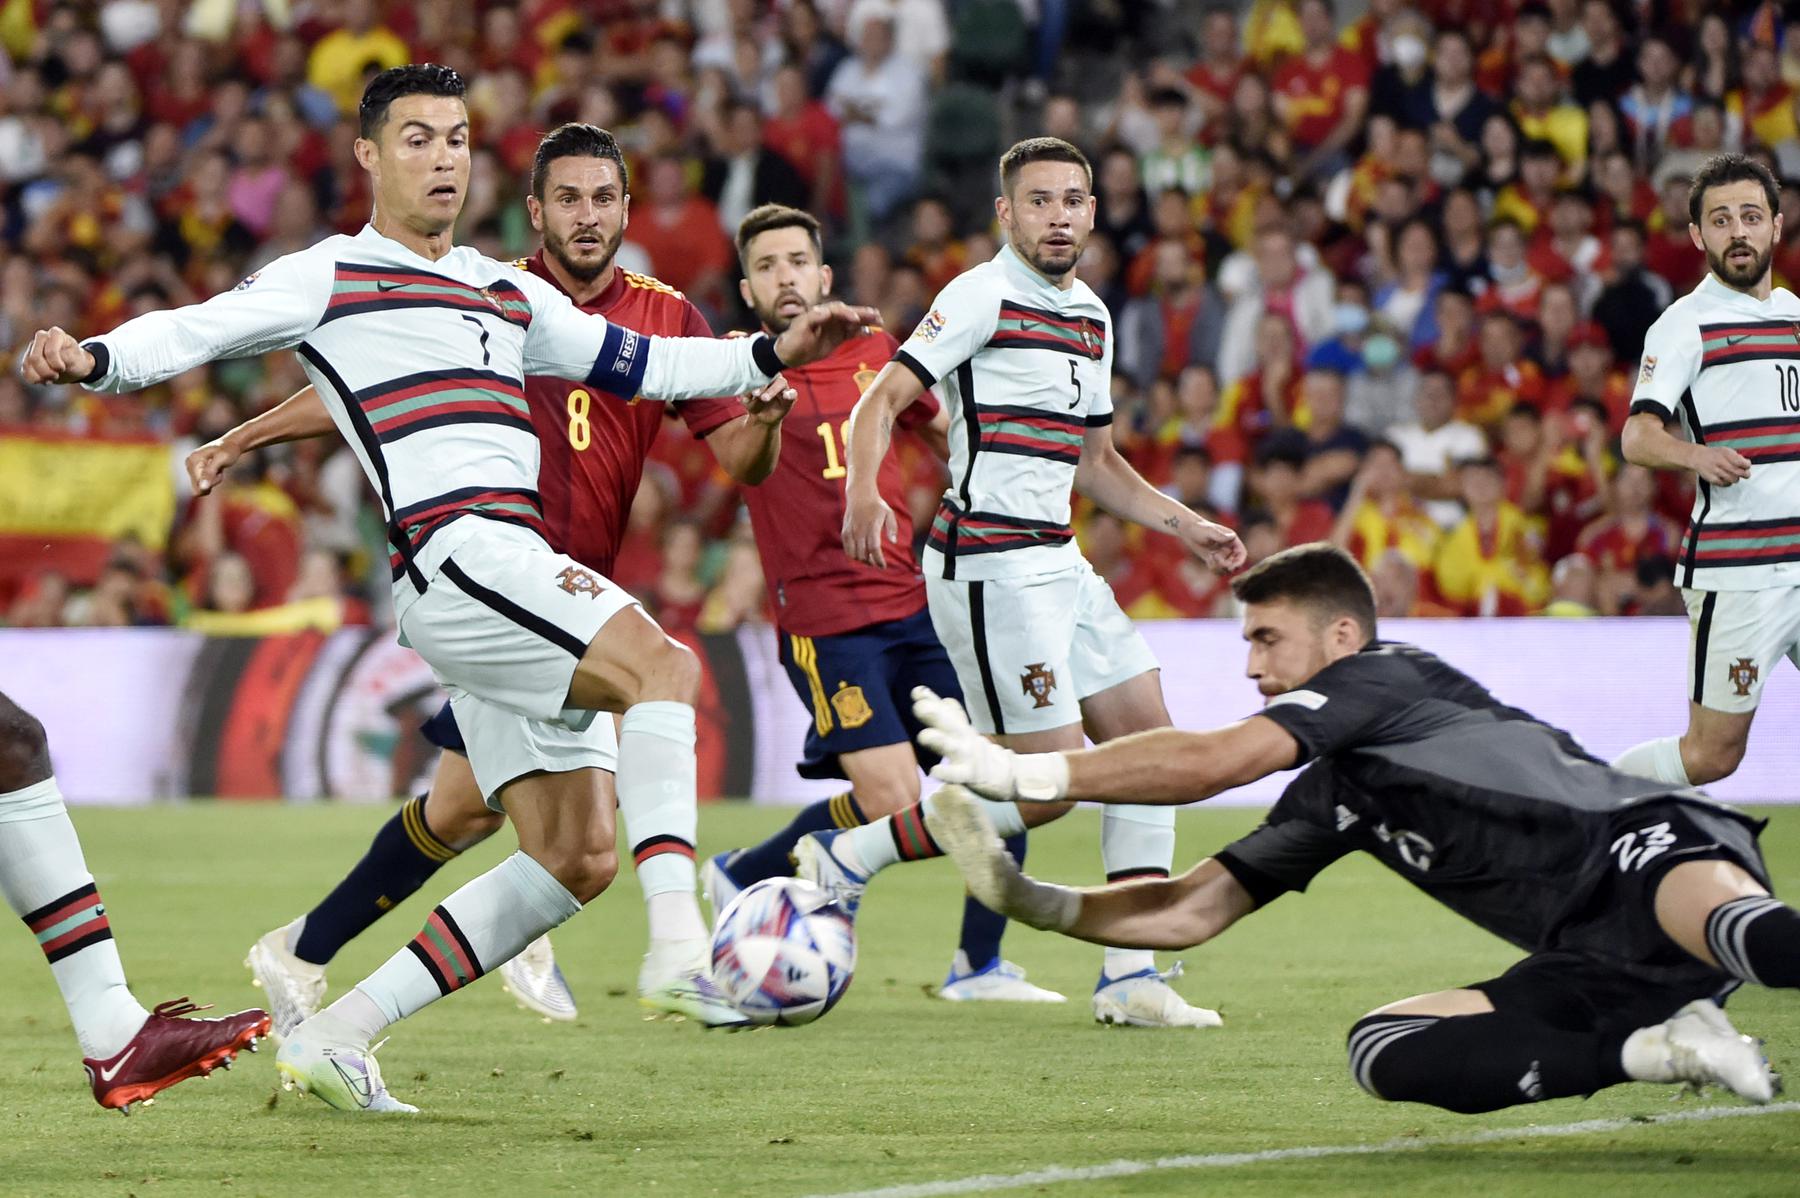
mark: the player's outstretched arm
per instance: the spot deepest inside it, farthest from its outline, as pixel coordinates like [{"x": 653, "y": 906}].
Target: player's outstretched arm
[
  {"x": 1646, "y": 442},
  {"x": 1175, "y": 912},
  {"x": 296, "y": 418},
  {"x": 273, "y": 309},
  {"x": 1165, "y": 766},
  {"x": 869, "y": 522},
  {"x": 749, "y": 447},
  {"x": 1105, "y": 477}
]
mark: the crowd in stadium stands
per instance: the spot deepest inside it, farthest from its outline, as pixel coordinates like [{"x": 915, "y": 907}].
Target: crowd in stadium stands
[{"x": 1380, "y": 278}]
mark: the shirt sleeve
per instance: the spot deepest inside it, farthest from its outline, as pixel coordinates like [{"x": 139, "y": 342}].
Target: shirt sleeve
[
  {"x": 271, "y": 310},
  {"x": 1291, "y": 847},
  {"x": 1100, "y": 408},
  {"x": 565, "y": 342},
  {"x": 1671, "y": 363},
  {"x": 703, "y": 416},
  {"x": 962, "y": 320},
  {"x": 1345, "y": 704}
]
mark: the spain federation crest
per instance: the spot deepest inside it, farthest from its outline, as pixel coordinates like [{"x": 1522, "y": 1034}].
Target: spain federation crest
[
  {"x": 852, "y": 707},
  {"x": 1038, "y": 682}
]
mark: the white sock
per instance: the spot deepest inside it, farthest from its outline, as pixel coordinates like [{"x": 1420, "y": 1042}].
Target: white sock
[
  {"x": 873, "y": 847},
  {"x": 658, "y": 805},
  {"x": 1659, "y": 760},
  {"x": 486, "y": 923},
  {"x": 1135, "y": 841},
  {"x": 47, "y": 884}
]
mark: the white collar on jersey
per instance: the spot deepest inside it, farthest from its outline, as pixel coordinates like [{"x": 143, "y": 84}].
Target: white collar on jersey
[
  {"x": 1731, "y": 295},
  {"x": 1015, "y": 266}
]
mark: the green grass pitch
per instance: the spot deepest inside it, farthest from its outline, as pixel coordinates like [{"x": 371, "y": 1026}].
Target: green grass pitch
[{"x": 891, "y": 1088}]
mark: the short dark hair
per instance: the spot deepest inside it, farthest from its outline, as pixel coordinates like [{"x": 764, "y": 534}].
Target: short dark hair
[
  {"x": 576, "y": 140},
  {"x": 1040, "y": 149},
  {"x": 1721, "y": 169},
  {"x": 769, "y": 217},
  {"x": 413, "y": 79},
  {"x": 1317, "y": 576}
]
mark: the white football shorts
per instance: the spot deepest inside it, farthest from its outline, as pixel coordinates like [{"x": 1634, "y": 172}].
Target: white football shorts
[
  {"x": 505, "y": 746},
  {"x": 1737, "y": 638},
  {"x": 506, "y": 618},
  {"x": 1028, "y": 650}
]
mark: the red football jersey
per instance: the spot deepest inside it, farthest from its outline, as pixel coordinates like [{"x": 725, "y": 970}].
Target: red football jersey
[
  {"x": 594, "y": 444},
  {"x": 797, "y": 513}
]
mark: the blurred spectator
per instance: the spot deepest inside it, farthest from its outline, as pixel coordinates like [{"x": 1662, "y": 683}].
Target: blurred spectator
[
  {"x": 743, "y": 172},
  {"x": 1178, "y": 160},
  {"x": 738, "y": 597},
  {"x": 40, "y": 602},
  {"x": 1399, "y": 591},
  {"x": 1333, "y": 447},
  {"x": 803, "y": 131},
  {"x": 1180, "y": 321},
  {"x": 1276, "y": 485},
  {"x": 921, "y": 30},
  {"x": 1491, "y": 563},
  {"x": 1631, "y": 533},
  {"x": 343, "y": 59},
  {"x": 679, "y": 594},
  {"x": 1556, "y": 471},
  {"x": 1451, "y": 106},
  {"x": 1267, "y": 397},
  {"x": 1382, "y": 394},
  {"x": 1656, "y": 103},
  {"x": 1592, "y": 377},
  {"x": 1381, "y": 515},
  {"x": 1123, "y": 214},
  {"x": 681, "y": 233},
  {"x": 1542, "y": 113},
  {"x": 1277, "y": 285},
  {"x": 1762, "y": 109},
  {"x": 1501, "y": 378},
  {"x": 1322, "y": 93},
  {"x": 1656, "y": 594},
  {"x": 936, "y": 251},
  {"x": 1607, "y": 70},
  {"x": 1632, "y": 297},
  {"x": 879, "y": 98},
  {"x": 1435, "y": 445},
  {"x": 1574, "y": 590},
  {"x": 1214, "y": 74}
]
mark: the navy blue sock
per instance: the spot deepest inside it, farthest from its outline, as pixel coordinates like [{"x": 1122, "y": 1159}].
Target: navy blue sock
[
  {"x": 403, "y": 854},
  {"x": 982, "y": 928},
  {"x": 773, "y": 858}
]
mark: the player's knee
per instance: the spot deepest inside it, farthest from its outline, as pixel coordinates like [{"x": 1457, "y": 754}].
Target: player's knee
[
  {"x": 886, "y": 793},
  {"x": 1711, "y": 759},
  {"x": 584, "y": 872},
  {"x": 24, "y": 749},
  {"x": 465, "y": 827},
  {"x": 669, "y": 670}
]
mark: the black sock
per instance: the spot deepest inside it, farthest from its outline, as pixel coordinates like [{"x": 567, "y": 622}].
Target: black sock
[
  {"x": 403, "y": 854},
  {"x": 1476, "y": 1063},
  {"x": 1756, "y": 938},
  {"x": 982, "y": 928},
  {"x": 773, "y": 858}
]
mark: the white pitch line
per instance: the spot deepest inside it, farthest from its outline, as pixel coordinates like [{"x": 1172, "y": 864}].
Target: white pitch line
[{"x": 990, "y": 1182}]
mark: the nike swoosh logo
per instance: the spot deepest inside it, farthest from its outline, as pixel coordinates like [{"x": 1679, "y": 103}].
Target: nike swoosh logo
[
  {"x": 107, "y": 1075},
  {"x": 1736, "y": 339},
  {"x": 358, "y": 1084},
  {"x": 385, "y": 285}
]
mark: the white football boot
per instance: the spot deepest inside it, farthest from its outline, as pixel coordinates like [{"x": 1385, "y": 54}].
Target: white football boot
[
  {"x": 536, "y": 982},
  {"x": 1145, "y": 999},
  {"x": 1703, "y": 1049},
  {"x": 335, "y": 1069},
  {"x": 676, "y": 980},
  {"x": 816, "y": 862},
  {"x": 718, "y": 885},
  {"x": 997, "y": 981},
  {"x": 295, "y": 988}
]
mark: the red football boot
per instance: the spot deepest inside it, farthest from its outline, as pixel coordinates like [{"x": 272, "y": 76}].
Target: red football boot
[{"x": 170, "y": 1049}]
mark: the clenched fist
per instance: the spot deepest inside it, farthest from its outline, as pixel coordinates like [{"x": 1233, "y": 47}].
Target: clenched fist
[{"x": 55, "y": 357}]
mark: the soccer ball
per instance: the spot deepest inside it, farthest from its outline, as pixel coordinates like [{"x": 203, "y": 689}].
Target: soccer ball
[{"x": 783, "y": 952}]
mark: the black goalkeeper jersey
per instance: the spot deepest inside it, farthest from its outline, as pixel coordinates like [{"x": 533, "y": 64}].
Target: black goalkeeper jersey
[{"x": 1504, "y": 819}]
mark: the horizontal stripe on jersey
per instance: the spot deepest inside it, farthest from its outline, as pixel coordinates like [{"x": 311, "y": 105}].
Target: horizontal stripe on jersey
[
  {"x": 1747, "y": 543},
  {"x": 956, "y": 533},
  {"x": 1773, "y": 440},
  {"x": 1023, "y": 327},
  {"x": 422, "y": 519},
  {"x": 1030, "y": 432},
  {"x": 358, "y": 288},
  {"x": 1724, "y": 344},
  {"x": 433, "y": 398}
]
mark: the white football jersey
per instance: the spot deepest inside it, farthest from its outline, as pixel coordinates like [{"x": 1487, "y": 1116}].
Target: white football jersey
[
  {"x": 1025, "y": 369},
  {"x": 1729, "y": 365},
  {"x": 422, "y": 365}
]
